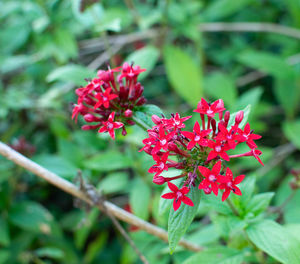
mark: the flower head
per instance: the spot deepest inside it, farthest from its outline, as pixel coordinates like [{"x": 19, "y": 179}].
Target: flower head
[{"x": 179, "y": 195}]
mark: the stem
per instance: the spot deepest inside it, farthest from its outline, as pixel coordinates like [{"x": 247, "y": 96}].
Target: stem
[
  {"x": 140, "y": 123},
  {"x": 70, "y": 188},
  {"x": 232, "y": 207}
]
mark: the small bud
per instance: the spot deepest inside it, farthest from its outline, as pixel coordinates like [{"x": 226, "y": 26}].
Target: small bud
[
  {"x": 88, "y": 127},
  {"x": 124, "y": 132},
  {"x": 159, "y": 180},
  {"x": 213, "y": 125},
  {"x": 130, "y": 122},
  {"x": 294, "y": 185},
  {"x": 226, "y": 117},
  {"x": 141, "y": 101},
  {"x": 126, "y": 67},
  {"x": 128, "y": 113},
  {"x": 156, "y": 119},
  {"x": 90, "y": 118},
  {"x": 207, "y": 190},
  {"x": 239, "y": 117}
]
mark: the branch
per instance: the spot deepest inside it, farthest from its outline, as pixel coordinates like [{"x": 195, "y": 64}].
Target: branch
[{"x": 70, "y": 188}]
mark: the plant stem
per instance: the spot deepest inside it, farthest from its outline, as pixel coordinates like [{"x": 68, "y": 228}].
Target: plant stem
[{"x": 232, "y": 207}]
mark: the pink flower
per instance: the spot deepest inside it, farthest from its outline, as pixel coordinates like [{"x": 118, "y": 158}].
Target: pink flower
[
  {"x": 218, "y": 150},
  {"x": 160, "y": 165},
  {"x": 208, "y": 109},
  {"x": 175, "y": 122},
  {"x": 179, "y": 195},
  {"x": 211, "y": 177},
  {"x": 229, "y": 184},
  {"x": 197, "y": 136},
  {"x": 110, "y": 126},
  {"x": 104, "y": 98},
  {"x": 247, "y": 136},
  {"x": 229, "y": 137}
]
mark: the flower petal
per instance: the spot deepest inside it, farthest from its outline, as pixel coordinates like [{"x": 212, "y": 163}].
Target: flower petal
[
  {"x": 217, "y": 168},
  {"x": 225, "y": 194},
  {"x": 187, "y": 201},
  {"x": 204, "y": 171},
  {"x": 176, "y": 204},
  {"x": 172, "y": 187},
  {"x": 238, "y": 179},
  {"x": 168, "y": 195}
]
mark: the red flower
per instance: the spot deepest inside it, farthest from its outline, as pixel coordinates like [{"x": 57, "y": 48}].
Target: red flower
[
  {"x": 162, "y": 140},
  {"x": 247, "y": 136},
  {"x": 197, "y": 136},
  {"x": 229, "y": 136},
  {"x": 110, "y": 126},
  {"x": 104, "y": 98},
  {"x": 208, "y": 109},
  {"x": 179, "y": 195},
  {"x": 229, "y": 184},
  {"x": 160, "y": 165},
  {"x": 130, "y": 72},
  {"x": 218, "y": 150},
  {"x": 211, "y": 177},
  {"x": 256, "y": 153},
  {"x": 175, "y": 121}
]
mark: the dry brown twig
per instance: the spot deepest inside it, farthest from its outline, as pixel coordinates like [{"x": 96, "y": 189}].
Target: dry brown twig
[{"x": 70, "y": 188}]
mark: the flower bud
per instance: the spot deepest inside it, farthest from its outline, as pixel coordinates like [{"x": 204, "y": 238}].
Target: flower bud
[
  {"x": 156, "y": 119},
  {"x": 141, "y": 101},
  {"x": 159, "y": 180},
  {"x": 207, "y": 190},
  {"x": 90, "y": 118},
  {"x": 130, "y": 122},
  {"x": 226, "y": 117},
  {"x": 239, "y": 117},
  {"x": 124, "y": 132},
  {"x": 128, "y": 113},
  {"x": 294, "y": 185}
]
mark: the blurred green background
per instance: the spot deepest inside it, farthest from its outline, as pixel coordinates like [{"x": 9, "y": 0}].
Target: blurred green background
[{"x": 48, "y": 47}]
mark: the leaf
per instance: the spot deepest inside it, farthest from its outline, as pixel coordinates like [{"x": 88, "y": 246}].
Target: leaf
[
  {"x": 180, "y": 220},
  {"x": 4, "y": 256},
  {"x": 139, "y": 199},
  {"x": 108, "y": 161},
  {"x": 4, "y": 232},
  {"x": 215, "y": 203},
  {"x": 259, "y": 203},
  {"x": 71, "y": 73},
  {"x": 183, "y": 74},
  {"x": 287, "y": 93},
  {"x": 114, "y": 182},
  {"x": 219, "y": 85},
  {"x": 32, "y": 217},
  {"x": 57, "y": 164},
  {"x": 250, "y": 97},
  {"x": 291, "y": 130},
  {"x": 222, "y": 8},
  {"x": 219, "y": 255},
  {"x": 268, "y": 63},
  {"x": 246, "y": 115},
  {"x": 142, "y": 115},
  {"x": 146, "y": 58},
  {"x": 273, "y": 239},
  {"x": 50, "y": 252},
  {"x": 70, "y": 152}
]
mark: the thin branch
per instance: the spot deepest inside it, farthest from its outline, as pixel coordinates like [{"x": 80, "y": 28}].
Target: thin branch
[
  {"x": 250, "y": 27},
  {"x": 70, "y": 188}
]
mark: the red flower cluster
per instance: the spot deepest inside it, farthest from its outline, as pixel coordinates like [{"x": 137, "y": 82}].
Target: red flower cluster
[
  {"x": 200, "y": 154},
  {"x": 107, "y": 102}
]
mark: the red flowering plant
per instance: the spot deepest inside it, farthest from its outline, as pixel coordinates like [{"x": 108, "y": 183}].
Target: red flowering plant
[
  {"x": 201, "y": 155},
  {"x": 108, "y": 101}
]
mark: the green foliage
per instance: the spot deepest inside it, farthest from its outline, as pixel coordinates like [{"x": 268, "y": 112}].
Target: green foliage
[
  {"x": 180, "y": 220},
  {"x": 274, "y": 240},
  {"x": 184, "y": 75}
]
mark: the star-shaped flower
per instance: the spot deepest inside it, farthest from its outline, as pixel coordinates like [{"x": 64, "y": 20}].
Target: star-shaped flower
[{"x": 110, "y": 126}]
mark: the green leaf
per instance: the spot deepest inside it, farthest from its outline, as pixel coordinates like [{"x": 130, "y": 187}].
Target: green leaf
[
  {"x": 70, "y": 152},
  {"x": 287, "y": 93},
  {"x": 219, "y": 85},
  {"x": 83, "y": 232},
  {"x": 4, "y": 232},
  {"x": 32, "y": 217},
  {"x": 291, "y": 130},
  {"x": 180, "y": 220},
  {"x": 108, "y": 161},
  {"x": 250, "y": 97},
  {"x": 268, "y": 63},
  {"x": 50, "y": 252},
  {"x": 57, "y": 164},
  {"x": 146, "y": 58},
  {"x": 139, "y": 199},
  {"x": 183, "y": 74},
  {"x": 143, "y": 115},
  {"x": 222, "y": 8},
  {"x": 4, "y": 256},
  {"x": 114, "y": 182},
  {"x": 273, "y": 239},
  {"x": 259, "y": 203},
  {"x": 246, "y": 115},
  {"x": 219, "y": 255},
  {"x": 215, "y": 203},
  {"x": 71, "y": 73}
]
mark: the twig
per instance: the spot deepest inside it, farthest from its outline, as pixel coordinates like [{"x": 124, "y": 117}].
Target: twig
[
  {"x": 250, "y": 27},
  {"x": 70, "y": 188},
  {"x": 256, "y": 75},
  {"x": 93, "y": 194}
]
